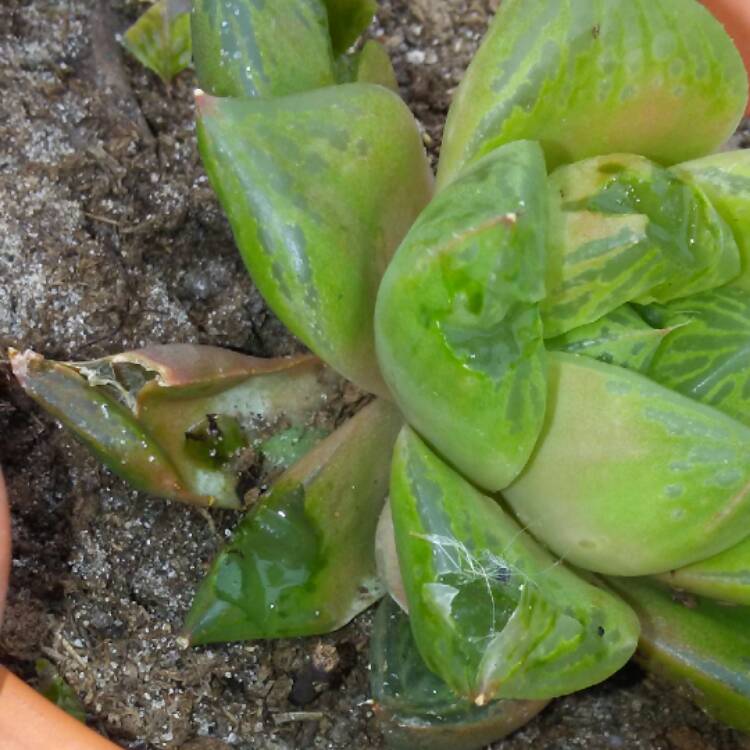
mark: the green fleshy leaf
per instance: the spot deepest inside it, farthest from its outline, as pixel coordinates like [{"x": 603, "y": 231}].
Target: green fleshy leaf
[
  {"x": 370, "y": 65},
  {"x": 625, "y": 229},
  {"x": 700, "y": 645},
  {"x": 630, "y": 478},
  {"x": 174, "y": 421},
  {"x": 245, "y": 48},
  {"x": 590, "y": 77},
  {"x": 707, "y": 356},
  {"x": 160, "y": 38},
  {"x": 347, "y": 19},
  {"x": 285, "y": 448},
  {"x": 492, "y": 613},
  {"x": 105, "y": 426},
  {"x": 319, "y": 189},
  {"x": 725, "y": 179},
  {"x": 457, "y": 322},
  {"x": 302, "y": 561},
  {"x": 725, "y": 577},
  {"x": 54, "y": 688},
  {"x": 620, "y": 338},
  {"x": 418, "y": 711}
]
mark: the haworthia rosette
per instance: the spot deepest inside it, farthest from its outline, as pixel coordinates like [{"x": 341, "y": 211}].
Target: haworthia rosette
[
  {"x": 302, "y": 561},
  {"x": 492, "y": 613},
  {"x": 458, "y": 328},
  {"x": 629, "y": 477},
  {"x": 588, "y": 77},
  {"x": 319, "y": 189}
]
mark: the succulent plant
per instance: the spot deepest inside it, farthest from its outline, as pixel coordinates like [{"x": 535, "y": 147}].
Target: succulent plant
[{"x": 557, "y": 335}]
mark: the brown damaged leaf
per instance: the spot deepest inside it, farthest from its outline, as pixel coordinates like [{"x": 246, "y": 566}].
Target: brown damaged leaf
[{"x": 182, "y": 421}]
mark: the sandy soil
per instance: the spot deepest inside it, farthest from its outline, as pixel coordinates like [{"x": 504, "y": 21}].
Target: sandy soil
[{"x": 110, "y": 238}]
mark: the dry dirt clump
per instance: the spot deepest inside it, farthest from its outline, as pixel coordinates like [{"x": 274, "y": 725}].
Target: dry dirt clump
[{"x": 110, "y": 238}]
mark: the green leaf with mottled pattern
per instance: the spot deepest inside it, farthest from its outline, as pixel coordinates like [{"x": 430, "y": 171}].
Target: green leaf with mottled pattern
[
  {"x": 160, "y": 38},
  {"x": 251, "y": 48},
  {"x": 725, "y": 577},
  {"x": 699, "y": 645},
  {"x": 630, "y": 478},
  {"x": 416, "y": 710},
  {"x": 659, "y": 78},
  {"x": 302, "y": 561},
  {"x": 620, "y": 338},
  {"x": 492, "y": 613},
  {"x": 725, "y": 179},
  {"x": 457, "y": 322},
  {"x": 624, "y": 229},
  {"x": 707, "y": 356},
  {"x": 347, "y": 19},
  {"x": 319, "y": 189}
]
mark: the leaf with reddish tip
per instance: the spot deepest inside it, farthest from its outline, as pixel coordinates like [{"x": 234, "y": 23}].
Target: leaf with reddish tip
[
  {"x": 179, "y": 421},
  {"x": 319, "y": 189},
  {"x": 592, "y": 77},
  {"x": 492, "y": 613},
  {"x": 458, "y": 323},
  {"x": 160, "y": 38},
  {"x": 699, "y": 645},
  {"x": 417, "y": 710},
  {"x": 302, "y": 561}
]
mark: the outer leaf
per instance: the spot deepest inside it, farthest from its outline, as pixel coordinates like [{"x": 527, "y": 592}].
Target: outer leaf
[
  {"x": 319, "y": 189},
  {"x": 630, "y": 477},
  {"x": 707, "y": 356},
  {"x": 725, "y": 178},
  {"x": 702, "y": 648},
  {"x": 347, "y": 20},
  {"x": 491, "y": 612},
  {"x": 457, "y": 322},
  {"x": 725, "y": 576},
  {"x": 416, "y": 710},
  {"x": 621, "y": 338},
  {"x": 625, "y": 229},
  {"x": 246, "y": 48},
  {"x": 160, "y": 38},
  {"x": 172, "y": 419},
  {"x": 302, "y": 561},
  {"x": 589, "y": 77},
  {"x": 101, "y": 423}
]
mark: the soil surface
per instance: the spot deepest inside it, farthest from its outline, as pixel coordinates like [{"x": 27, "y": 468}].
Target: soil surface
[{"x": 110, "y": 238}]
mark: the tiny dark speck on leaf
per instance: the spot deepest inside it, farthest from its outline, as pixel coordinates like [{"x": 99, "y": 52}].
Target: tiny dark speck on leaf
[
  {"x": 600, "y": 630},
  {"x": 596, "y": 29}
]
